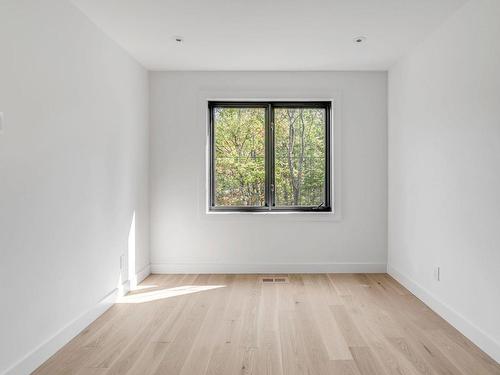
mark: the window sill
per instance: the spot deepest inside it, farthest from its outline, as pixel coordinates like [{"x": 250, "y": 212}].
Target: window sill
[{"x": 300, "y": 216}]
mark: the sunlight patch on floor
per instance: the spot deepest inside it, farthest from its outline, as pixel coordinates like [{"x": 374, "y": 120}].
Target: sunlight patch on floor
[
  {"x": 166, "y": 293},
  {"x": 142, "y": 287}
]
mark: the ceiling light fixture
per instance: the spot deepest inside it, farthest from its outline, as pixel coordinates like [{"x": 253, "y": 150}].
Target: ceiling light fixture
[
  {"x": 359, "y": 40},
  {"x": 179, "y": 39}
]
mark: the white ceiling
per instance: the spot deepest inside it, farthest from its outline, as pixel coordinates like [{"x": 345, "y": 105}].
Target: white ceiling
[{"x": 267, "y": 34}]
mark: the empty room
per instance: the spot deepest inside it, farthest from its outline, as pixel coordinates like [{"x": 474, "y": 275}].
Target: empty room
[{"x": 266, "y": 187}]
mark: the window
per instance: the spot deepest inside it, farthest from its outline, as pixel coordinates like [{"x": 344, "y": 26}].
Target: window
[{"x": 270, "y": 156}]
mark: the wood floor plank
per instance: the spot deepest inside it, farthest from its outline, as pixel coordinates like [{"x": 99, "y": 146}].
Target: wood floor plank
[
  {"x": 268, "y": 354},
  {"x": 201, "y": 352},
  {"x": 314, "y": 324},
  {"x": 471, "y": 348},
  {"x": 226, "y": 354},
  {"x": 412, "y": 355},
  {"x": 463, "y": 359},
  {"x": 149, "y": 360},
  {"x": 308, "y": 333},
  {"x": 366, "y": 361},
  {"x": 347, "y": 326},
  {"x": 344, "y": 368},
  {"x": 415, "y": 334},
  {"x": 392, "y": 360},
  {"x": 293, "y": 353},
  {"x": 324, "y": 321},
  {"x": 66, "y": 362},
  {"x": 189, "y": 327}
]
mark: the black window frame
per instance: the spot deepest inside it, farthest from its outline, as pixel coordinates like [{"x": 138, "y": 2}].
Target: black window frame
[{"x": 269, "y": 140}]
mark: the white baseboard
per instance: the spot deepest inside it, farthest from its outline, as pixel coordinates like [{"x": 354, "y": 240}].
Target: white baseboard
[
  {"x": 46, "y": 349},
  {"x": 139, "y": 276},
  {"x": 142, "y": 274},
  {"x": 457, "y": 320},
  {"x": 268, "y": 268}
]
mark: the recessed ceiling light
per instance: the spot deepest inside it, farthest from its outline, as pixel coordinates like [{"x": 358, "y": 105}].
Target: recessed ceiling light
[
  {"x": 179, "y": 39},
  {"x": 359, "y": 39}
]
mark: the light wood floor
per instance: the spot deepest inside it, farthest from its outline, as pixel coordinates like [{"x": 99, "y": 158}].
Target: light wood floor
[{"x": 235, "y": 324}]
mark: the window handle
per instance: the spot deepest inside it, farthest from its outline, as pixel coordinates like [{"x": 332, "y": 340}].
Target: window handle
[{"x": 322, "y": 204}]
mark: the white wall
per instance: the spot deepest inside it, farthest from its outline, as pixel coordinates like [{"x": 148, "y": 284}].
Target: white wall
[
  {"x": 186, "y": 239},
  {"x": 444, "y": 171},
  {"x": 73, "y": 169}
]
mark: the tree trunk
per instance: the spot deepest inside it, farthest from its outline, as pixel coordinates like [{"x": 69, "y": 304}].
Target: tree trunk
[
  {"x": 301, "y": 159},
  {"x": 291, "y": 142}
]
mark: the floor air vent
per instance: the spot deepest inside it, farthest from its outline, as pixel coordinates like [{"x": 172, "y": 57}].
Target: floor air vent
[{"x": 275, "y": 279}]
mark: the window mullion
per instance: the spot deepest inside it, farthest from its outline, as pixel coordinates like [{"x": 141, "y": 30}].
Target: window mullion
[
  {"x": 271, "y": 157},
  {"x": 268, "y": 156}
]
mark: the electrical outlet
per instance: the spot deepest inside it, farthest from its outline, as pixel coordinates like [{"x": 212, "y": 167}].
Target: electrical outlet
[
  {"x": 437, "y": 273},
  {"x": 122, "y": 261}
]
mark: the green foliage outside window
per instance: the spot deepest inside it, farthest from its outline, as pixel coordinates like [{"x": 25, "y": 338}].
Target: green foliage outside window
[
  {"x": 239, "y": 156},
  {"x": 299, "y": 156}
]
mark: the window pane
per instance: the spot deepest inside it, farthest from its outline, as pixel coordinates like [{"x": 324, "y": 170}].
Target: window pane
[
  {"x": 239, "y": 156},
  {"x": 300, "y": 149}
]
